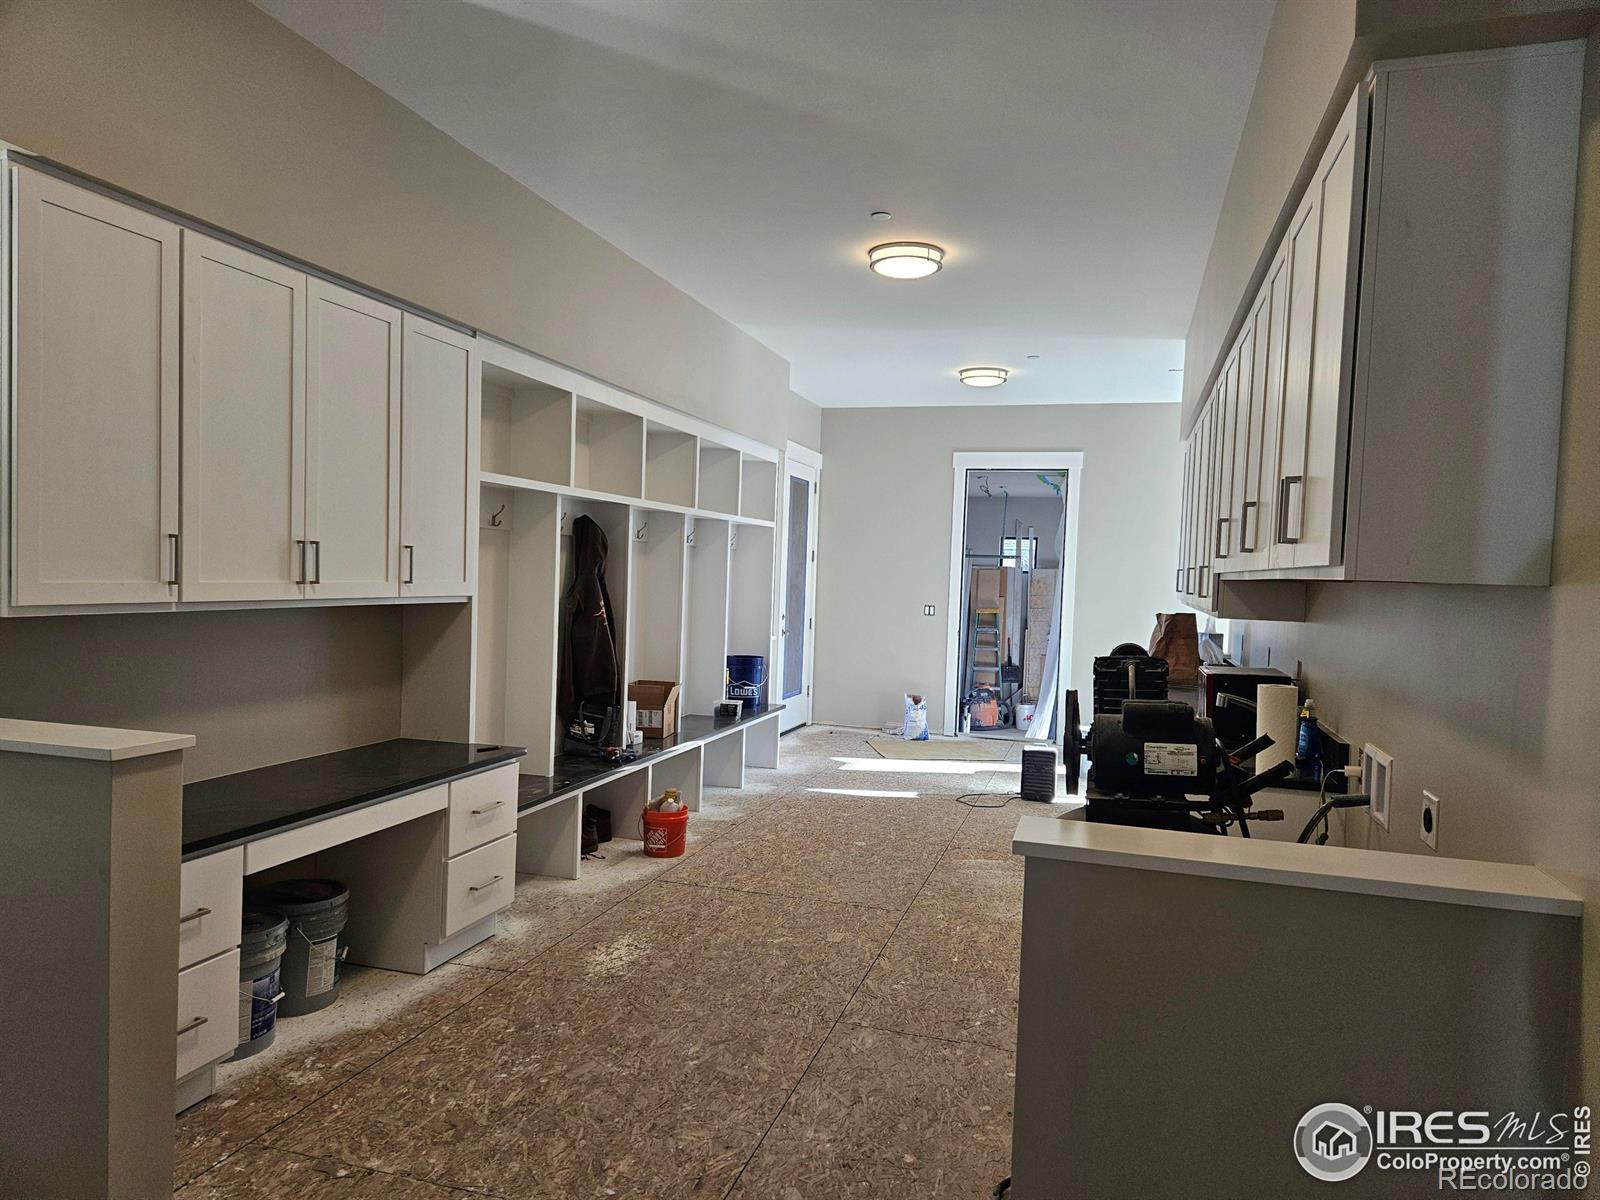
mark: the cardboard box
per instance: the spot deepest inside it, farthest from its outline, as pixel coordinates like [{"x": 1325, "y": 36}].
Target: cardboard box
[{"x": 658, "y": 706}]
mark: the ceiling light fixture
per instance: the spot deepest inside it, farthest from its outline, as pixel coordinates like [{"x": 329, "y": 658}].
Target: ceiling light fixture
[
  {"x": 983, "y": 376},
  {"x": 905, "y": 260}
]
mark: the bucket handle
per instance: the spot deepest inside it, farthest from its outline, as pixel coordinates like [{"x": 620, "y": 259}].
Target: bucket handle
[{"x": 247, "y": 994}]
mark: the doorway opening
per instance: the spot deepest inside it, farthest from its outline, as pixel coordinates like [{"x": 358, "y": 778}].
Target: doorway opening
[{"x": 1013, "y": 545}]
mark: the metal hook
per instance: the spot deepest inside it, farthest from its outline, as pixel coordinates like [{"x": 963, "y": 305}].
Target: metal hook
[{"x": 494, "y": 517}]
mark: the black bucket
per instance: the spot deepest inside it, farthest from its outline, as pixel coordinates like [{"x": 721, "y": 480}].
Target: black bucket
[
  {"x": 262, "y": 940},
  {"x": 316, "y": 910}
]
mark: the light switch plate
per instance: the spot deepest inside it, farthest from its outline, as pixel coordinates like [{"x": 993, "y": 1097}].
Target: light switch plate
[
  {"x": 1430, "y": 819},
  {"x": 1377, "y": 779}
]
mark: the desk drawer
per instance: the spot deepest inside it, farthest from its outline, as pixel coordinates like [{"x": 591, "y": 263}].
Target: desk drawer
[
  {"x": 478, "y": 883},
  {"x": 210, "y": 894},
  {"x": 483, "y": 807},
  {"x": 208, "y": 1012}
]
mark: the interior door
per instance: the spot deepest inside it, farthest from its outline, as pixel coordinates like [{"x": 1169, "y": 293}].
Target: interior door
[
  {"x": 798, "y": 601},
  {"x": 244, "y": 424},
  {"x": 96, "y": 402},
  {"x": 439, "y": 460},
  {"x": 352, "y": 445}
]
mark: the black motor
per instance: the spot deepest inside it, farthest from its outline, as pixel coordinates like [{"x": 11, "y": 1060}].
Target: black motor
[{"x": 1153, "y": 748}]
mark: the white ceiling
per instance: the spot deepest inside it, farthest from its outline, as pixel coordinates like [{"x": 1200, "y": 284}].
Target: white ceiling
[
  {"x": 1070, "y": 154},
  {"x": 1015, "y": 485}
]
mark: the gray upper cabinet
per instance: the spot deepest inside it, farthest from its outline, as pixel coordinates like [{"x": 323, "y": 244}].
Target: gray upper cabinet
[
  {"x": 244, "y": 424},
  {"x": 95, "y": 404},
  {"x": 1391, "y": 409}
]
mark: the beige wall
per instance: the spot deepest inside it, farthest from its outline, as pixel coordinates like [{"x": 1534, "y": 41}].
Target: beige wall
[
  {"x": 884, "y": 544},
  {"x": 254, "y": 687},
  {"x": 1488, "y": 696},
  {"x": 1316, "y": 51},
  {"x": 213, "y": 108}
]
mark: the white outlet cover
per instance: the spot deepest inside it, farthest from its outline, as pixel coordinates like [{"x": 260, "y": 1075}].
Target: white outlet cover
[
  {"x": 1430, "y": 819},
  {"x": 1377, "y": 780}
]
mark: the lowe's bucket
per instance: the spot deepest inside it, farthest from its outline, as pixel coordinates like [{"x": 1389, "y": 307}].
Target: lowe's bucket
[
  {"x": 263, "y": 938},
  {"x": 316, "y": 910},
  {"x": 747, "y": 679}
]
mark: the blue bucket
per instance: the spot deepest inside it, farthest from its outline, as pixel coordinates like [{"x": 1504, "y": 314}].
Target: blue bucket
[{"x": 747, "y": 678}]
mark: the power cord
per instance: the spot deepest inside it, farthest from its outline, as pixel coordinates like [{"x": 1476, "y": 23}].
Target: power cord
[
  {"x": 992, "y": 796},
  {"x": 1326, "y": 806}
]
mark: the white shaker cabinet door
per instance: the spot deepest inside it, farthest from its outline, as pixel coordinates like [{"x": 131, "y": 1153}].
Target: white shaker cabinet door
[
  {"x": 439, "y": 460},
  {"x": 352, "y": 445},
  {"x": 244, "y": 321},
  {"x": 96, "y": 403}
]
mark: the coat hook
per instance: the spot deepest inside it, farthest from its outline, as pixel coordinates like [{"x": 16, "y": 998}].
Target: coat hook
[
  {"x": 638, "y": 534},
  {"x": 494, "y": 518}
]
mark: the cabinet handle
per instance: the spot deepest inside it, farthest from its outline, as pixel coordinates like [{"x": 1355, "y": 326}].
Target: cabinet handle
[
  {"x": 1177, "y": 583},
  {"x": 478, "y": 812},
  {"x": 301, "y": 543},
  {"x": 1224, "y": 526},
  {"x": 202, "y": 911},
  {"x": 192, "y": 1025},
  {"x": 1284, "y": 484},
  {"x": 1246, "y": 541},
  {"x": 173, "y": 538},
  {"x": 1205, "y": 579},
  {"x": 411, "y": 563},
  {"x": 486, "y": 885},
  {"x": 316, "y": 544}
]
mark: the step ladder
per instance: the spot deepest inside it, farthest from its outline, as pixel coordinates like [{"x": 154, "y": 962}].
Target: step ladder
[{"x": 984, "y": 640}]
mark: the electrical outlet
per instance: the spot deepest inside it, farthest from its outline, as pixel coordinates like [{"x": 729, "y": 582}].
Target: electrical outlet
[
  {"x": 1430, "y": 819},
  {"x": 927, "y": 610},
  {"x": 1377, "y": 780}
]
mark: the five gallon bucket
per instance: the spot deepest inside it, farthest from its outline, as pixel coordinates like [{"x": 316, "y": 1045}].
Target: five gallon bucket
[
  {"x": 263, "y": 939},
  {"x": 316, "y": 910},
  {"x": 747, "y": 678},
  {"x": 664, "y": 833}
]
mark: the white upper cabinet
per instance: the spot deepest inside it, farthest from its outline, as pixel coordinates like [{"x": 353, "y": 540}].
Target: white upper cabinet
[
  {"x": 244, "y": 424},
  {"x": 352, "y": 445},
  {"x": 95, "y": 405},
  {"x": 439, "y": 457},
  {"x": 1401, "y": 414}
]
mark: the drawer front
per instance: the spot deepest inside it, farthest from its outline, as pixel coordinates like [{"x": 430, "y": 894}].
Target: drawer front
[
  {"x": 210, "y": 899},
  {"x": 208, "y": 1012},
  {"x": 483, "y": 807},
  {"x": 478, "y": 883}
]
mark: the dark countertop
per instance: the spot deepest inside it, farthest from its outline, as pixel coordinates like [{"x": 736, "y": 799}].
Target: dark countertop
[
  {"x": 233, "y": 809},
  {"x": 576, "y": 771}
]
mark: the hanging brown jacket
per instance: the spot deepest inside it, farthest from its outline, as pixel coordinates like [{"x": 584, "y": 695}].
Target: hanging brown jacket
[{"x": 590, "y": 672}]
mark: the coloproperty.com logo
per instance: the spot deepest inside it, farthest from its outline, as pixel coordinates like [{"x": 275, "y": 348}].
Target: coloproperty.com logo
[{"x": 1460, "y": 1151}]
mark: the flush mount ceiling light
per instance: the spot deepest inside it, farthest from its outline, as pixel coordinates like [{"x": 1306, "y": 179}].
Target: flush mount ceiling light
[
  {"x": 905, "y": 260},
  {"x": 983, "y": 376}
]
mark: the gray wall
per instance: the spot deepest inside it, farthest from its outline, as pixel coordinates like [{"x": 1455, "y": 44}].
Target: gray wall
[
  {"x": 1488, "y": 696},
  {"x": 990, "y": 518},
  {"x": 884, "y": 544}
]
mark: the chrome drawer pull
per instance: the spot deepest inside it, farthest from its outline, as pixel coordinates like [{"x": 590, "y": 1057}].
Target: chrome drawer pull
[
  {"x": 192, "y": 1025},
  {"x": 1247, "y": 541},
  {"x": 202, "y": 911},
  {"x": 485, "y": 886},
  {"x": 478, "y": 812}
]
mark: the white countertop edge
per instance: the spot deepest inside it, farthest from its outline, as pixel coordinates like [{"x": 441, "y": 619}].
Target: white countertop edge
[
  {"x": 86, "y": 741},
  {"x": 1326, "y": 868}
]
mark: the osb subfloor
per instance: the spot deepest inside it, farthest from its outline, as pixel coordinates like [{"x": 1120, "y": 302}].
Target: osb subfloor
[{"x": 818, "y": 1000}]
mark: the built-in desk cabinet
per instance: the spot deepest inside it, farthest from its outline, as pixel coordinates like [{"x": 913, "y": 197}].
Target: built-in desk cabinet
[
  {"x": 1390, "y": 407},
  {"x": 329, "y": 440}
]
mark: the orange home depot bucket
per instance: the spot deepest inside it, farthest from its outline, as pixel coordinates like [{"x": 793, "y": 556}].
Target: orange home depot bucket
[{"x": 664, "y": 833}]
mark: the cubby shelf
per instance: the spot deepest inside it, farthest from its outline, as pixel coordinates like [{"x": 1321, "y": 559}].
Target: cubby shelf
[{"x": 522, "y": 483}]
